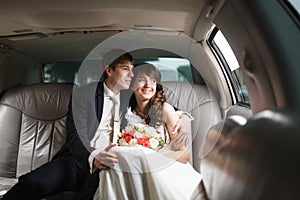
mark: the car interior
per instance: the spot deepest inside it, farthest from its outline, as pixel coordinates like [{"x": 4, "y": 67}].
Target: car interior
[{"x": 232, "y": 64}]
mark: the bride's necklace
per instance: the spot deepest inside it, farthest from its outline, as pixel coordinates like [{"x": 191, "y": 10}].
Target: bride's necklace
[{"x": 142, "y": 115}]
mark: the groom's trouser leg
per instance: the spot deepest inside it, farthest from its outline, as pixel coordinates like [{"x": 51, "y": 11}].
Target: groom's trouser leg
[
  {"x": 89, "y": 187},
  {"x": 58, "y": 175}
]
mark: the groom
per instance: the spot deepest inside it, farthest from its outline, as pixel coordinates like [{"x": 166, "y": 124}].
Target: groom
[{"x": 90, "y": 105}]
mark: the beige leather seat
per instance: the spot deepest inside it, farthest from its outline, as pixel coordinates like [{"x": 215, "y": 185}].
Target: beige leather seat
[
  {"x": 201, "y": 104},
  {"x": 32, "y": 128}
]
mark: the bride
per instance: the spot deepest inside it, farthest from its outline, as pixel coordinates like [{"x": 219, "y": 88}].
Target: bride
[{"x": 145, "y": 171}]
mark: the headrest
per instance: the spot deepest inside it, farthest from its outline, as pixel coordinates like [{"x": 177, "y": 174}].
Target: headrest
[
  {"x": 42, "y": 101},
  {"x": 186, "y": 95}
]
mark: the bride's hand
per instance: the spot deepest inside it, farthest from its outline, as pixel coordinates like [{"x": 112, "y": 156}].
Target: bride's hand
[
  {"x": 180, "y": 142},
  {"x": 105, "y": 160},
  {"x": 182, "y": 131}
]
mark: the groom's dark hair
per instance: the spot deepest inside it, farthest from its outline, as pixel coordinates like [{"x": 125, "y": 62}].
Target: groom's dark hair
[{"x": 114, "y": 57}]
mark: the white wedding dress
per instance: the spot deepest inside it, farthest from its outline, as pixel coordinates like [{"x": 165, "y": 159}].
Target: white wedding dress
[{"x": 143, "y": 173}]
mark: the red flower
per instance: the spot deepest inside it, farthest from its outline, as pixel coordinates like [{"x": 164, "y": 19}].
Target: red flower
[
  {"x": 144, "y": 141},
  {"x": 128, "y": 136},
  {"x": 131, "y": 133},
  {"x": 146, "y": 144}
]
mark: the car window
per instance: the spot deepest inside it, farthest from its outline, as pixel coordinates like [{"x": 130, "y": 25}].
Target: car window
[
  {"x": 293, "y": 8},
  {"x": 172, "y": 69},
  {"x": 230, "y": 67},
  {"x": 61, "y": 72},
  {"x": 295, "y": 4}
]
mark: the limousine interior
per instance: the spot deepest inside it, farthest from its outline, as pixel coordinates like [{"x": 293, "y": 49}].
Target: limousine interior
[{"x": 232, "y": 64}]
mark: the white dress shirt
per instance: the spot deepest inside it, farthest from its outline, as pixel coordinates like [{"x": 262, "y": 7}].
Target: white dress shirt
[{"x": 104, "y": 132}]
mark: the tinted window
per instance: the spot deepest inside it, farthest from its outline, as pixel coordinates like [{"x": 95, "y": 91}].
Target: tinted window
[
  {"x": 295, "y": 4},
  {"x": 61, "y": 72},
  {"x": 172, "y": 69},
  {"x": 293, "y": 8},
  {"x": 230, "y": 67}
]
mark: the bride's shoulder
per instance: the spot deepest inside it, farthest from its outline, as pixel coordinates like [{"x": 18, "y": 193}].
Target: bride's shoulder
[{"x": 168, "y": 108}]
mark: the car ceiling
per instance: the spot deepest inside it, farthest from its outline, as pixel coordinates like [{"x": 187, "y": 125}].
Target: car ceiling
[
  {"x": 59, "y": 27},
  {"x": 54, "y": 16}
]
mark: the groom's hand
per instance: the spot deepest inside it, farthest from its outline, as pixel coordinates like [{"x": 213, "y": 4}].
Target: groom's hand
[{"x": 105, "y": 160}]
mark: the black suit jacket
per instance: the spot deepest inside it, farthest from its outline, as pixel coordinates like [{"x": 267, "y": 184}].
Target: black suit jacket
[{"x": 83, "y": 118}]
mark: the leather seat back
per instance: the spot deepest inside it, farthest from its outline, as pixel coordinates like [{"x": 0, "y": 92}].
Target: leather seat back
[
  {"x": 32, "y": 126},
  {"x": 201, "y": 104}
]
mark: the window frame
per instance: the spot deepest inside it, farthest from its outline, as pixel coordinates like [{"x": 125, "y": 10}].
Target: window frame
[
  {"x": 291, "y": 10},
  {"x": 232, "y": 81}
]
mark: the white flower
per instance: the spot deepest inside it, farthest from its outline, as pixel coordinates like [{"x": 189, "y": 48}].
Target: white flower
[
  {"x": 122, "y": 142},
  {"x": 149, "y": 130},
  {"x": 154, "y": 143},
  {"x": 139, "y": 127},
  {"x": 139, "y": 134},
  {"x": 133, "y": 142},
  {"x": 129, "y": 128}
]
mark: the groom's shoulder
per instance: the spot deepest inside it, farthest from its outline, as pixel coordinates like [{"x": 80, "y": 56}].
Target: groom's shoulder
[
  {"x": 89, "y": 88},
  {"x": 87, "y": 92}
]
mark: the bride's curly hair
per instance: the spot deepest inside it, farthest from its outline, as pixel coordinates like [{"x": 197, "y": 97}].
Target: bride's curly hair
[{"x": 155, "y": 114}]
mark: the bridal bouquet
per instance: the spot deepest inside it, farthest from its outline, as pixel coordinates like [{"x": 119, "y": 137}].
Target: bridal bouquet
[{"x": 140, "y": 134}]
